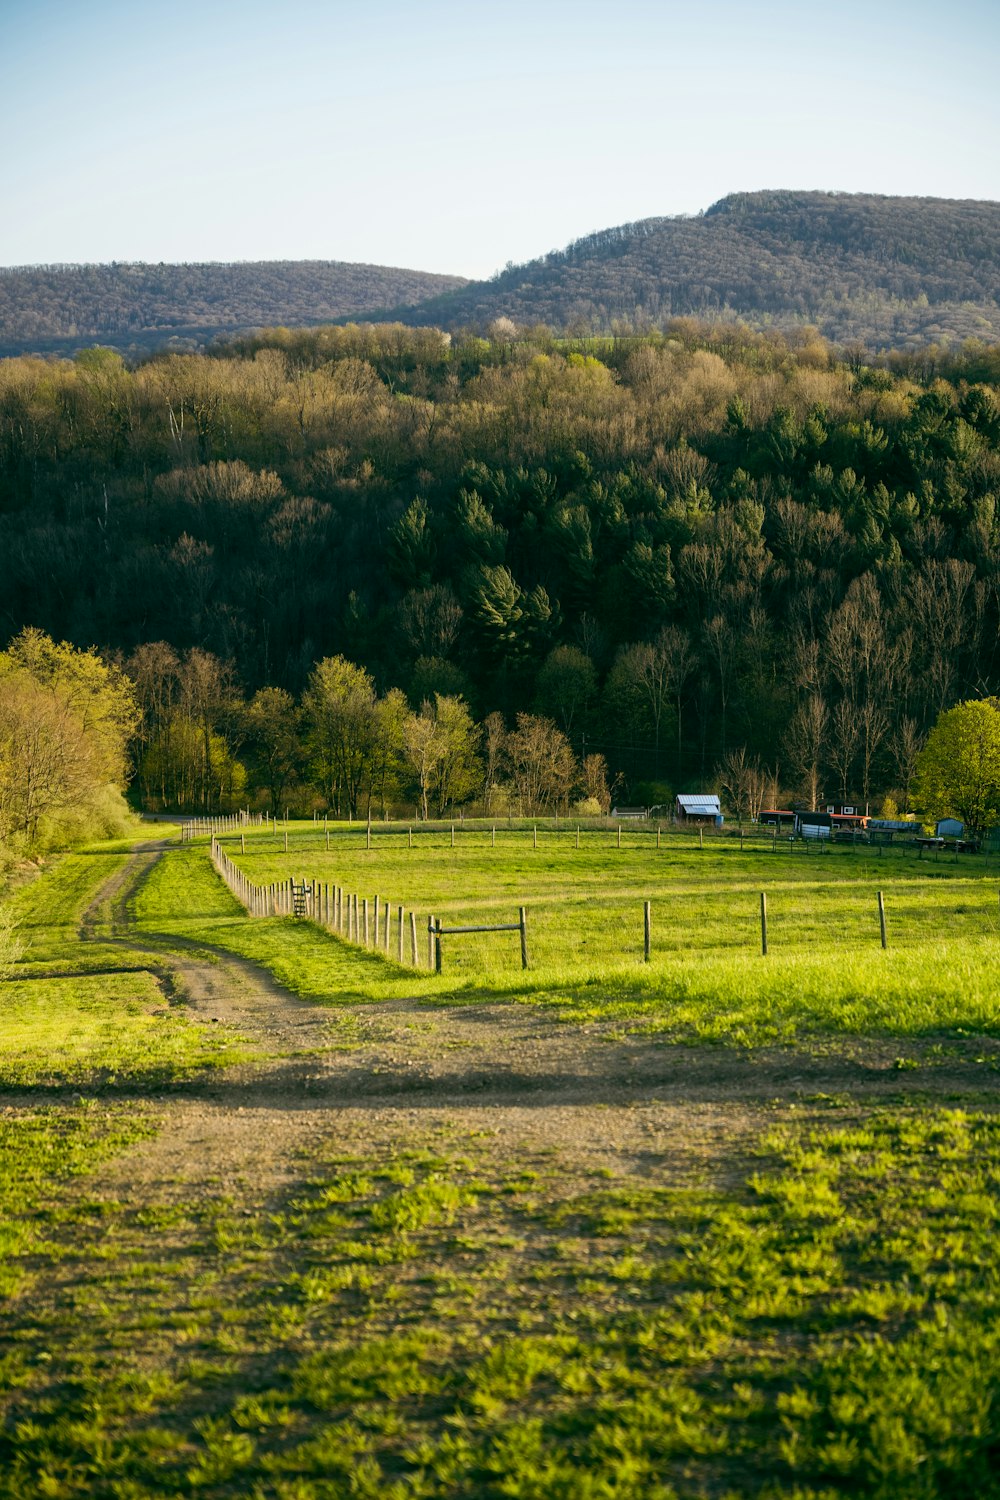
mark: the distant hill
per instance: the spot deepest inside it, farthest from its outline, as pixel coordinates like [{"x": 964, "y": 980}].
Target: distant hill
[
  {"x": 47, "y": 309},
  {"x": 885, "y": 271}
]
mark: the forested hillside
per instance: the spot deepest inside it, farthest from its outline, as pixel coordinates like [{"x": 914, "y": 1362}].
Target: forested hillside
[
  {"x": 47, "y": 309},
  {"x": 681, "y": 548},
  {"x": 882, "y": 271}
]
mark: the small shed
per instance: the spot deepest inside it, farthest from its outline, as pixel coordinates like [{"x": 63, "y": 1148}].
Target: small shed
[
  {"x": 949, "y": 828},
  {"x": 814, "y": 825},
  {"x": 698, "y": 807}
]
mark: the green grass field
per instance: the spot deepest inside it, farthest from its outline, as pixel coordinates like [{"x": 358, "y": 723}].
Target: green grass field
[
  {"x": 769, "y": 1293},
  {"x": 825, "y": 969}
]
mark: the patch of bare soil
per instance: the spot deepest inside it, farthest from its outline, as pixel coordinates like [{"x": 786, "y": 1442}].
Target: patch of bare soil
[{"x": 382, "y": 1072}]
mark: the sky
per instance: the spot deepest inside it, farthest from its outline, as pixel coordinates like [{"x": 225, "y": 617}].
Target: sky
[{"x": 457, "y": 137}]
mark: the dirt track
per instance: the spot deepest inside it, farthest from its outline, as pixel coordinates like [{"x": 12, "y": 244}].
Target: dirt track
[{"x": 381, "y": 1072}]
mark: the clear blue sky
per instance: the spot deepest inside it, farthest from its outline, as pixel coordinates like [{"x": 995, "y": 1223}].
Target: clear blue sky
[{"x": 457, "y": 136}]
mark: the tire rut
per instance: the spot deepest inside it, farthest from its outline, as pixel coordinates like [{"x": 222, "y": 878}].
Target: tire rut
[{"x": 217, "y": 986}]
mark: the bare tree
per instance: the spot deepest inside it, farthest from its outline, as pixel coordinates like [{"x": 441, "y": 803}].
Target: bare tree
[
  {"x": 594, "y": 781},
  {"x": 494, "y": 743},
  {"x": 845, "y": 736},
  {"x": 805, "y": 743},
  {"x": 543, "y": 764},
  {"x": 874, "y": 726},
  {"x": 905, "y": 748},
  {"x": 745, "y": 783}
]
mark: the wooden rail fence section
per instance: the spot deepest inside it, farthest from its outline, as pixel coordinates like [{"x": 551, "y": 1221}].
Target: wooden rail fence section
[{"x": 350, "y": 916}]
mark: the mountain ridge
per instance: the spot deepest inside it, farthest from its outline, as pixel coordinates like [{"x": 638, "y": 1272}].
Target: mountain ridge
[
  {"x": 141, "y": 305},
  {"x": 873, "y": 269},
  {"x": 869, "y": 267}
]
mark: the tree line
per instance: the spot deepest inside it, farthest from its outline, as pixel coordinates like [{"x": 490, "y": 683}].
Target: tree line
[
  {"x": 681, "y": 549},
  {"x": 341, "y": 746}
]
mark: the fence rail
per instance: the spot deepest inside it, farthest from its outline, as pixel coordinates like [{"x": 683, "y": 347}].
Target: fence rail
[{"x": 355, "y": 918}]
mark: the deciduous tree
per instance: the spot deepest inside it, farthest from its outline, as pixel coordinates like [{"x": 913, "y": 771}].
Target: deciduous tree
[{"x": 958, "y": 770}]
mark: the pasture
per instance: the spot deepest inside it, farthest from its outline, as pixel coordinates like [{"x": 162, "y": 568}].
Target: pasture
[
  {"x": 286, "y": 1220},
  {"x": 825, "y": 969}
]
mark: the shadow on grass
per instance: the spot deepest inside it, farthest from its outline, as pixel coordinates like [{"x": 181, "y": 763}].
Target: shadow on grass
[{"x": 623, "y": 1075}]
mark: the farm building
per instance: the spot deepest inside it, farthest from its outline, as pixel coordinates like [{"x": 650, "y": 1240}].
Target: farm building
[
  {"x": 697, "y": 808},
  {"x": 814, "y": 825}
]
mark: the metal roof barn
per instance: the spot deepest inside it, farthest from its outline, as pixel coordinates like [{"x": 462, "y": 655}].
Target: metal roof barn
[{"x": 698, "y": 807}]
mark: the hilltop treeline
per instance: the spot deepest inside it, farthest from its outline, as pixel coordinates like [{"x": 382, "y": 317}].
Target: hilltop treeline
[
  {"x": 684, "y": 549},
  {"x": 877, "y": 270},
  {"x": 47, "y": 308}
]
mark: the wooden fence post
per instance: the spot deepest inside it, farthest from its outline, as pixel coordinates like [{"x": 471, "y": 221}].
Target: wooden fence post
[
  {"x": 400, "y": 919},
  {"x": 413, "y": 940},
  {"x": 453, "y": 835},
  {"x": 493, "y": 837},
  {"x": 701, "y": 837},
  {"x": 437, "y": 945},
  {"x": 619, "y": 835},
  {"x": 388, "y": 924},
  {"x": 523, "y": 919},
  {"x": 763, "y": 923},
  {"x": 578, "y": 835},
  {"x": 646, "y": 935},
  {"x": 881, "y": 920},
  {"x": 367, "y": 932},
  {"x": 534, "y": 837},
  {"x": 430, "y": 942}
]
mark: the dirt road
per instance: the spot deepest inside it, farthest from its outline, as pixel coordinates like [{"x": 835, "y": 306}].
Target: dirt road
[{"x": 375, "y": 1072}]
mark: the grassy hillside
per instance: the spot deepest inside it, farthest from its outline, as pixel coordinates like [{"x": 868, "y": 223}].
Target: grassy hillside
[
  {"x": 885, "y": 271},
  {"x": 56, "y": 309}
]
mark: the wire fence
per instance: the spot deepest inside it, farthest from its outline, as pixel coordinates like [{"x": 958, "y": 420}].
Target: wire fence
[{"x": 580, "y": 909}]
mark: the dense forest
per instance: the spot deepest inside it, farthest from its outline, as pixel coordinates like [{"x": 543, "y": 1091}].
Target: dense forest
[
  {"x": 138, "y": 308},
  {"x": 885, "y": 272},
  {"x": 700, "y": 551}
]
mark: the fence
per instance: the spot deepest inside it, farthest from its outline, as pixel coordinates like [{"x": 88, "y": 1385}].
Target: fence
[
  {"x": 370, "y": 924},
  {"x": 391, "y": 929},
  {"x": 195, "y": 828},
  {"x": 745, "y": 838}
]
